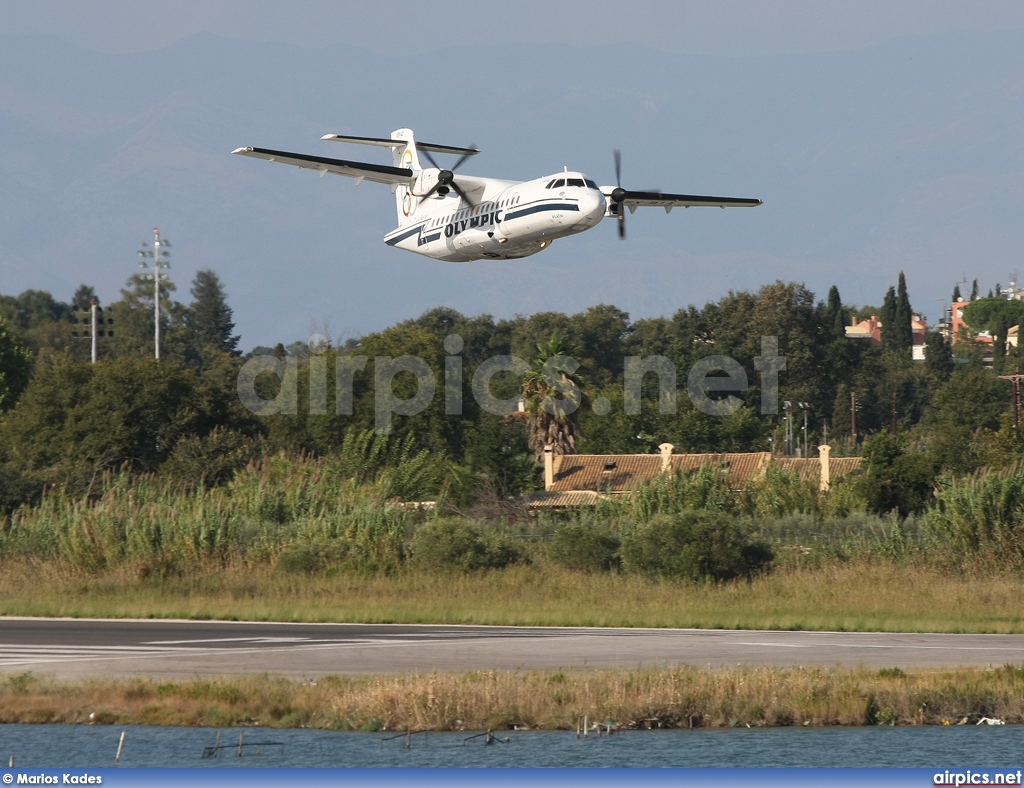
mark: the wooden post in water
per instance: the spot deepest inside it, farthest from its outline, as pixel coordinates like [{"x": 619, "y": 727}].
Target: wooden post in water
[
  {"x": 11, "y": 766},
  {"x": 240, "y": 737},
  {"x": 120, "y": 745},
  {"x": 577, "y": 727},
  {"x": 216, "y": 746},
  {"x": 585, "y": 721},
  {"x": 408, "y": 738}
]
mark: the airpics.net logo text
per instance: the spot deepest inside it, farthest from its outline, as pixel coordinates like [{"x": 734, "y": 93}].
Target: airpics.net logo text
[
  {"x": 712, "y": 383},
  {"x": 968, "y": 777}
]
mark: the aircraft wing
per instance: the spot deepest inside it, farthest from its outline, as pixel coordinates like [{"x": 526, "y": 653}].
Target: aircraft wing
[
  {"x": 379, "y": 173},
  {"x": 634, "y": 199}
]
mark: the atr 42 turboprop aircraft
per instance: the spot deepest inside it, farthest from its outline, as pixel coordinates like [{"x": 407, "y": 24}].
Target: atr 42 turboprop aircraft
[{"x": 485, "y": 217}]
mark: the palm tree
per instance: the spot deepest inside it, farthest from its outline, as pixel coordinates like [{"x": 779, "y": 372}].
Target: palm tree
[{"x": 552, "y": 394}]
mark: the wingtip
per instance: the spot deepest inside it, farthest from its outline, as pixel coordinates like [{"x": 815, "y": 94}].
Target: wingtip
[
  {"x": 242, "y": 150},
  {"x": 329, "y": 137}
]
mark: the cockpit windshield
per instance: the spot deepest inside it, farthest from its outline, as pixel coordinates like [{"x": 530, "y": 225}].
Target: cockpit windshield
[{"x": 559, "y": 183}]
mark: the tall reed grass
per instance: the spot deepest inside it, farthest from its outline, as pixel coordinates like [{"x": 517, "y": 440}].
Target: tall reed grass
[
  {"x": 981, "y": 514},
  {"x": 666, "y": 698},
  {"x": 268, "y": 505}
]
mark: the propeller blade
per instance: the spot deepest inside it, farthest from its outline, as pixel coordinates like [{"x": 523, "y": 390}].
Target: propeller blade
[
  {"x": 619, "y": 195},
  {"x": 433, "y": 189},
  {"x": 430, "y": 159},
  {"x": 462, "y": 194},
  {"x": 462, "y": 159},
  {"x": 445, "y": 176}
]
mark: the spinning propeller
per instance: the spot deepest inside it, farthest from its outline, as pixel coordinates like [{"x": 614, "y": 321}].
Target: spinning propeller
[
  {"x": 446, "y": 178},
  {"x": 620, "y": 195}
]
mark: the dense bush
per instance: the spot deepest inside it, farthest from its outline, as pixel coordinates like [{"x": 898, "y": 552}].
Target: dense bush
[
  {"x": 585, "y": 548},
  {"x": 453, "y": 543},
  {"x": 896, "y": 479},
  {"x": 318, "y": 555},
  {"x": 212, "y": 459},
  {"x": 695, "y": 546}
]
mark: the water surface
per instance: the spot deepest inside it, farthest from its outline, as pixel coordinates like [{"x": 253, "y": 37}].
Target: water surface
[{"x": 94, "y": 746}]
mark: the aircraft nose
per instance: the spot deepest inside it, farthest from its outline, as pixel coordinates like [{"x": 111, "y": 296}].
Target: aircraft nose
[{"x": 592, "y": 206}]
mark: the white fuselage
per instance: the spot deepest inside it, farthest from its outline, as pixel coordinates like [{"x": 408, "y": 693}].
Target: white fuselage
[{"x": 510, "y": 219}]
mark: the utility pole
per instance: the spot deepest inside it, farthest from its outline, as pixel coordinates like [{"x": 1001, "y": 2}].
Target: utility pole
[
  {"x": 161, "y": 261},
  {"x": 1015, "y": 380},
  {"x": 806, "y": 406},
  {"x": 788, "y": 407},
  {"x": 853, "y": 416},
  {"x": 99, "y": 327},
  {"x": 92, "y": 309}
]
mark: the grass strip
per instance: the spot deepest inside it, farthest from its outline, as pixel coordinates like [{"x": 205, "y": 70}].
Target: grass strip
[
  {"x": 662, "y": 698},
  {"x": 864, "y": 595}
]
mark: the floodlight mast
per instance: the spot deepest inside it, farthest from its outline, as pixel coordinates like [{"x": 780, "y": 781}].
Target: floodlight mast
[
  {"x": 92, "y": 332},
  {"x": 161, "y": 261}
]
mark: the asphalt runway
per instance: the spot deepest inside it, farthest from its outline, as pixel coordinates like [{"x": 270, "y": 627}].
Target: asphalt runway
[{"x": 69, "y": 648}]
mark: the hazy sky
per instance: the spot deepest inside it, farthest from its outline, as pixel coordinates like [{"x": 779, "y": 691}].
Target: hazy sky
[
  {"x": 869, "y": 163},
  {"x": 739, "y": 27}
]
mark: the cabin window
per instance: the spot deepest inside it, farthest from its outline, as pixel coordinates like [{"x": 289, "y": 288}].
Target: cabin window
[
  {"x": 558, "y": 184},
  {"x": 575, "y": 182},
  {"x": 590, "y": 183}
]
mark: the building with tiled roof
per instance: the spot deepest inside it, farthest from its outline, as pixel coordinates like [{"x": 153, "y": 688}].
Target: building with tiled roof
[{"x": 582, "y": 479}]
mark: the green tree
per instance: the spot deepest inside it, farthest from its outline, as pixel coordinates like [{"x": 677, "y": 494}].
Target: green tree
[
  {"x": 15, "y": 367},
  {"x": 209, "y": 316},
  {"x": 75, "y": 421},
  {"x": 841, "y": 424},
  {"x": 938, "y": 357},
  {"x": 895, "y": 479},
  {"x": 963, "y": 414},
  {"x": 999, "y": 329},
  {"x": 134, "y": 317},
  {"x": 836, "y": 315},
  {"x": 888, "y": 316},
  {"x": 904, "y": 332},
  {"x": 83, "y": 298},
  {"x": 601, "y": 331},
  {"x": 983, "y": 313}
]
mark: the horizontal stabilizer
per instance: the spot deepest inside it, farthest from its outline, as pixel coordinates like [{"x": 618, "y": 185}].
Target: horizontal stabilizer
[
  {"x": 399, "y": 143},
  {"x": 379, "y": 173}
]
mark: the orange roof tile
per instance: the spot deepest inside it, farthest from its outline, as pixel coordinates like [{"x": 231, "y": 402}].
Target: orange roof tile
[
  {"x": 604, "y": 472},
  {"x": 809, "y": 468},
  {"x": 554, "y": 499},
  {"x": 742, "y": 467}
]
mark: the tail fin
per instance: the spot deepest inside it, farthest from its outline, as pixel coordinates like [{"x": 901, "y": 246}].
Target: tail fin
[{"x": 405, "y": 156}]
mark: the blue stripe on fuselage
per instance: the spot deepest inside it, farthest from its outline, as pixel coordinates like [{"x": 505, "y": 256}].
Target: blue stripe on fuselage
[
  {"x": 544, "y": 206},
  {"x": 397, "y": 239}
]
